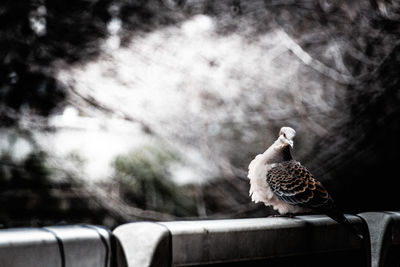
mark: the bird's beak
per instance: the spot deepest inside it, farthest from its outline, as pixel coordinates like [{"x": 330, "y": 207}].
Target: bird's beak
[
  {"x": 290, "y": 142},
  {"x": 285, "y": 141}
]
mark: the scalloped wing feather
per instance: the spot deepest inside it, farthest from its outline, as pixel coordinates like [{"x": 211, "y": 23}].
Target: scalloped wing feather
[{"x": 294, "y": 184}]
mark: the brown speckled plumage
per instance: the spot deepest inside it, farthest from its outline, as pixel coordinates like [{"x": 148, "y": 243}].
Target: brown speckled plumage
[{"x": 294, "y": 184}]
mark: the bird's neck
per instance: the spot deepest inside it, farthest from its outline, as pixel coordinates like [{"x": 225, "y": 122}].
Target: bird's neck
[
  {"x": 277, "y": 153},
  {"x": 286, "y": 153}
]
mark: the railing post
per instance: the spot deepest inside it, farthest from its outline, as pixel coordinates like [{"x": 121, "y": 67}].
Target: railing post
[
  {"x": 384, "y": 230},
  {"x": 143, "y": 244}
]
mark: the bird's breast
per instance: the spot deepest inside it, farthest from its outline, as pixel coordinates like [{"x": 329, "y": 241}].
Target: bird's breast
[{"x": 260, "y": 191}]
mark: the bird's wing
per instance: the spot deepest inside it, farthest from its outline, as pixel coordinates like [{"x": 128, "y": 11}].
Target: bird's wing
[{"x": 294, "y": 184}]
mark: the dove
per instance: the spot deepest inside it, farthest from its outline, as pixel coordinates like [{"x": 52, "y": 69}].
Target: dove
[{"x": 277, "y": 180}]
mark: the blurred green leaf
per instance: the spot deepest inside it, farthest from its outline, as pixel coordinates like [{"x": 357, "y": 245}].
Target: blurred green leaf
[{"x": 146, "y": 181}]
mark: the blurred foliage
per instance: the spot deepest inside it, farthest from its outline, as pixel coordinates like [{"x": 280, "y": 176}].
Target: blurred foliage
[
  {"x": 23, "y": 187},
  {"x": 33, "y": 36},
  {"x": 29, "y": 173},
  {"x": 38, "y": 37},
  {"x": 30, "y": 196},
  {"x": 145, "y": 179}
]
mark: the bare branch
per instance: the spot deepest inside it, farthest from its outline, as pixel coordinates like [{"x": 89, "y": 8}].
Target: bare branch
[
  {"x": 103, "y": 108},
  {"x": 312, "y": 62}
]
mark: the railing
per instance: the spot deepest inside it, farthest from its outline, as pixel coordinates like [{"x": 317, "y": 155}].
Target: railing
[
  {"x": 313, "y": 240},
  {"x": 64, "y": 246},
  {"x": 244, "y": 242}
]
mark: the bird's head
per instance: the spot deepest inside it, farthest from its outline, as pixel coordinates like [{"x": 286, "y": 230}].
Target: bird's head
[{"x": 286, "y": 135}]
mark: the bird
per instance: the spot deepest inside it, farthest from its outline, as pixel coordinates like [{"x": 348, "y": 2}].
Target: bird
[{"x": 278, "y": 180}]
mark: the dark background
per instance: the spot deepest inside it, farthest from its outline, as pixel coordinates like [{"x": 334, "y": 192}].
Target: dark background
[{"x": 356, "y": 158}]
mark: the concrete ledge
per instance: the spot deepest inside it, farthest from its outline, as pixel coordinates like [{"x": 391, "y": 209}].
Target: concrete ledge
[
  {"x": 221, "y": 241},
  {"x": 69, "y": 246}
]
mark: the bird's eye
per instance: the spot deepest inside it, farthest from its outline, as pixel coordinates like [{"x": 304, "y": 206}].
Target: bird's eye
[{"x": 284, "y": 135}]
